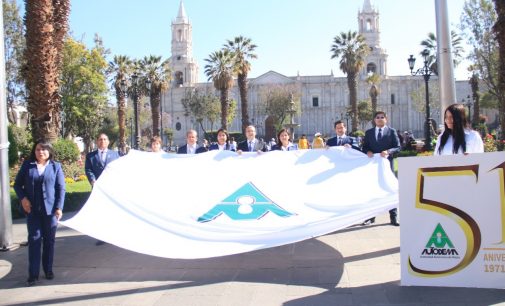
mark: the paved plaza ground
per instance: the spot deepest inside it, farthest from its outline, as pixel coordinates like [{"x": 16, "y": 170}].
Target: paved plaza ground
[{"x": 355, "y": 266}]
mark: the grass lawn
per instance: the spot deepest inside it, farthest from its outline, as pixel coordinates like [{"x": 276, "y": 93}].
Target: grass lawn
[{"x": 76, "y": 195}]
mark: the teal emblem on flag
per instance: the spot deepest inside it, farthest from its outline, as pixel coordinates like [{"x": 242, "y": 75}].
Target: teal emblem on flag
[{"x": 247, "y": 203}]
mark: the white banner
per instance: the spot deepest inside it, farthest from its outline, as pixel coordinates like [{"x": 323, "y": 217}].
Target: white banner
[
  {"x": 220, "y": 203},
  {"x": 453, "y": 220}
]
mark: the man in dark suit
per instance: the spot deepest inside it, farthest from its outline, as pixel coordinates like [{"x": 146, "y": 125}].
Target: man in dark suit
[
  {"x": 341, "y": 139},
  {"x": 384, "y": 140},
  {"x": 251, "y": 144},
  {"x": 97, "y": 160},
  {"x": 191, "y": 147}
]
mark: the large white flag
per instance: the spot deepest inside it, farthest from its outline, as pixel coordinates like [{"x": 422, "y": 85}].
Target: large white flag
[{"x": 221, "y": 203}]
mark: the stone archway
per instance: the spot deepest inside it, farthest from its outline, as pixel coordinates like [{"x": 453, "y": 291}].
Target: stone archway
[{"x": 270, "y": 128}]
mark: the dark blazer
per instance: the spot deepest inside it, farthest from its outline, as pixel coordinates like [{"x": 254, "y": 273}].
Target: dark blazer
[
  {"x": 215, "y": 146},
  {"x": 184, "y": 149},
  {"x": 277, "y": 147},
  {"x": 94, "y": 166},
  {"x": 389, "y": 142},
  {"x": 258, "y": 146},
  {"x": 53, "y": 187}
]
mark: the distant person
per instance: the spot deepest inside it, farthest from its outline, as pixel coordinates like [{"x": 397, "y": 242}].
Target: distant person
[
  {"x": 318, "y": 142},
  {"x": 233, "y": 144},
  {"x": 272, "y": 143},
  {"x": 222, "y": 141},
  {"x": 283, "y": 143},
  {"x": 341, "y": 139},
  {"x": 97, "y": 160},
  {"x": 303, "y": 143},
  {"x": 40, "y": 186},
  {"x": 191, "y": 146},
  {"x": 251, "y": 144},
  {"x": 382, "y": 140},
  {"x": 156, "y": 145},
  {"x": 457, "y": 137}
]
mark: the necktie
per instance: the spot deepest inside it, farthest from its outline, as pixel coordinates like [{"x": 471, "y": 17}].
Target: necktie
[
  {"x": 339, "y": 143},
  {"x": 379, "y": 135},
  {"x": 250, "y": 146},
  {"x": 102, "y": 157}
]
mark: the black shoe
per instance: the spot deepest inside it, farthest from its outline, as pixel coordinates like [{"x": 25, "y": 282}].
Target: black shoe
[
  {"x": 99, "y": 242},
  {"x": 31, "y": 281},
  {"x": 394, "y": 222},
  {"x": 49, "y": 275},
  {"x": 369, "y": 221}
]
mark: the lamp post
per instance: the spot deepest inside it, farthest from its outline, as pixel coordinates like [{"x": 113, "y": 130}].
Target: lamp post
[
  {"x": 136, "y": 109},
  {"x": 426, "y": 72}
]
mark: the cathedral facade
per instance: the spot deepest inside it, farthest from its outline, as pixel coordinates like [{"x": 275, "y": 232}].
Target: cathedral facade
[{"x": 323, "y": 98}]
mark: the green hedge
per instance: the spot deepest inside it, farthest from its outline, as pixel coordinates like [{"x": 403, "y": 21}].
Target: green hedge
[{"x": 76, "y": 196}]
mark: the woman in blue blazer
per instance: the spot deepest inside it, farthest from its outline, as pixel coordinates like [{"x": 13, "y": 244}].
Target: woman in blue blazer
[
  {"x": 40, "y": 187},
  {"x": 222, "y": 141},
  {"x": 283, "y": 143}
]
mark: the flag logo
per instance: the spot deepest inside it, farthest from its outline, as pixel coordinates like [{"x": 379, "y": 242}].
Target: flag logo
[{"x": 246, "y": 203}]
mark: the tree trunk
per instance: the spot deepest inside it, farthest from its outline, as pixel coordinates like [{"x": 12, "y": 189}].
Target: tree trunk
[
  {"x": 45, "y": 32},
  {"x": 242, "y": 85},
  {"x": 499, "y": 29},
  {"x": 224, "y": 108},
  {"x": 353, "y": 88},
  {"x": 155, "y": 108},
  {"x": 121, "y": 115}
]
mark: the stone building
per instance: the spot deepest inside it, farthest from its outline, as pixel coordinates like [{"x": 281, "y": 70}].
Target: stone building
[{"x": 324, "y": 98}]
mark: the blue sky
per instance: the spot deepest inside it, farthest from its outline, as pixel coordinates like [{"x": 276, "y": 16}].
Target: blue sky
[{"x": 292, "y": 35}]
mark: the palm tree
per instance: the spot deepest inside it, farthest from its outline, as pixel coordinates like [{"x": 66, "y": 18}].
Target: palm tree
[
  {"x": 374, "y": 80},
  {"x": 430, "y": 44},
  {"x": 46, "y": 23},
  {"x": 220, "y": 69},
  {"x": 121, "y": 68},
  {"x": 157, "y": 73},
  {"x": 352, "y": 49},
  {"x": 243, "y": 50}
]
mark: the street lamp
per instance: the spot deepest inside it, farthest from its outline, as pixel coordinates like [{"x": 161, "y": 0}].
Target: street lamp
[
  {"x": 426, "y": 72},
  {"x": 135, "y": 95},
  {"x": 468, "y": 103}
]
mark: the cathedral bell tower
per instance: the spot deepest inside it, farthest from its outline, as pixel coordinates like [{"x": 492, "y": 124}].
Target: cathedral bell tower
[
  {"x": 368, "y": 20},
  {"x": 184, "y": 67}
]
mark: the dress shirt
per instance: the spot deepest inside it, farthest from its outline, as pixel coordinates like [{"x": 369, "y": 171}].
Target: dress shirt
[
  {"x": 382, "y": 129},
  {"x": 191, "y": 149},
  {"x": 473, "y": 140}
]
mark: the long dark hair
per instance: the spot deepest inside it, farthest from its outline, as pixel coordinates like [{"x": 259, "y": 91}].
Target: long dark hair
[
  {"x": 44, "y": 144},
  {"x": 459, "y": 124}
]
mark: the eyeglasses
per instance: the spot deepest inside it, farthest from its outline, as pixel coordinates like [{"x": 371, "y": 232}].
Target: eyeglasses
[{"x": 380, "y": 117}]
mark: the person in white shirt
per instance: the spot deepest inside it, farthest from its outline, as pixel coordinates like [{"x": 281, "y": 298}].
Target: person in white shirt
[{"x": 457, "y": 137}]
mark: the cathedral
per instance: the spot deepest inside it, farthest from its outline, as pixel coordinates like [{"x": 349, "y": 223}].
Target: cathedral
[{"x": 323, "y": 98}]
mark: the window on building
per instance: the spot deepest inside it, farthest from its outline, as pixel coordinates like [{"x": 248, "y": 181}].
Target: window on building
[
  {"x": 178, "y": 78},
  {"x": 178, "y": 126},
  {"x": 371, "y": 68},
  {"x": 179, "y": 35},
  {"x": 392, "y": 98},
  {"x": 315, "y": 101},
  {"x": 368, "y": 25}
]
